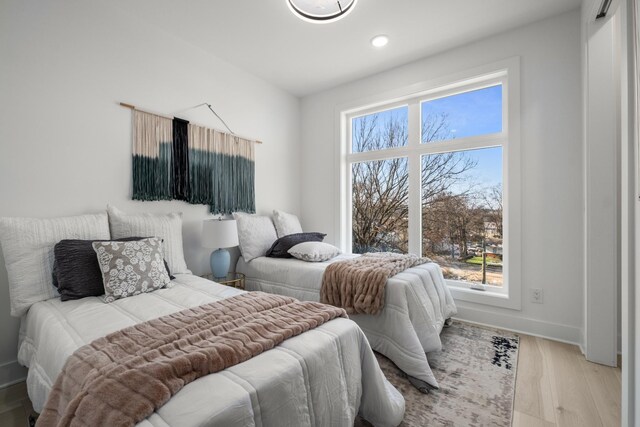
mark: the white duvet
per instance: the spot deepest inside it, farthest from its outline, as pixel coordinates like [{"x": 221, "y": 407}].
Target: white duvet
[
  {"x": 417, "y": 303},
  {"x": 324, "y": 377}
]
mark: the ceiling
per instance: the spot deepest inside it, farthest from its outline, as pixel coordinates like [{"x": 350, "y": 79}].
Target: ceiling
[{"x": 264, "y": 38}]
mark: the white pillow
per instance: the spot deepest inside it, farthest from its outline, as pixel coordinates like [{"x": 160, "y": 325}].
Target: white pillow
[
  {"x": 256, "y": 234},
  {"x": 27, "y": 244},
  {"x": 165, "y": 226},
  {"x": 286, "y": 223},
  {"x": 314, "y": 251}
]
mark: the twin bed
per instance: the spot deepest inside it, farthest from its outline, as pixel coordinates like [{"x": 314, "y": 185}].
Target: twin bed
[
  {"x": 417, "y": 305},
  {"x": 323, "y": 377},
  {"x": 327, "y": 375}
]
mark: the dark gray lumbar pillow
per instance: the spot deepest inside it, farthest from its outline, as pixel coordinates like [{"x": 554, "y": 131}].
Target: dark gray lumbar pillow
[
  {"x": 280, "y": 247},
  {"x": 76, "y": 272}
]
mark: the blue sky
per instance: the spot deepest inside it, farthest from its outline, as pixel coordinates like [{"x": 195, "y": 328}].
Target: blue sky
[
  {"x": 472, "y": 113},
  {"x": 469, "y": 114}
]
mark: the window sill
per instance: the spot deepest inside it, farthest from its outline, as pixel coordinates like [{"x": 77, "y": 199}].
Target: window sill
[{"x": 462, "y": 292}]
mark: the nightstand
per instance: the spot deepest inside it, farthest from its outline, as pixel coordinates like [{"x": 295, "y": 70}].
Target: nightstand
[{"x": 235, "y": 280}]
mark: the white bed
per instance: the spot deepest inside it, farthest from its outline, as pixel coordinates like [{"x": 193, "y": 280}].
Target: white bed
[
  {"x": 417, "y": 303},
  {"x": 324, "y": 377}
]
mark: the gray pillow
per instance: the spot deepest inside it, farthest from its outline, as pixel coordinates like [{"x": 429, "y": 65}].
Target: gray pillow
[
  {"x": 280, "y": 248},
  {"x": 131, "y": 268},
  {"x": 314, "y": 251}
]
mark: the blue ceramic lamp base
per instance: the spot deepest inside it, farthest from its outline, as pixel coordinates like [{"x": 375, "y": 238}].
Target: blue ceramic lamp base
[{"x": 220, "y": 261}]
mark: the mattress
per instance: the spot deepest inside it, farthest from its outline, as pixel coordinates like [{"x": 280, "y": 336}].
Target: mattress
[
  {"x": 325, "y": 376},
  {"x": 417, "y": 303}
]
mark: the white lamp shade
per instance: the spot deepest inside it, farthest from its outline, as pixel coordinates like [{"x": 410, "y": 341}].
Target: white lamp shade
[{"x": 218, "y": 233}]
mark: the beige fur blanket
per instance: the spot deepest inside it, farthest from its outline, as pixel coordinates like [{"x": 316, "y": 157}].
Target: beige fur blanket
[
  {"x": 121, "y": 379},
  {"x": 358, "y": 284}
]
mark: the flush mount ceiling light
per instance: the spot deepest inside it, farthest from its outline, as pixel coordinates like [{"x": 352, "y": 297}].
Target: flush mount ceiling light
[
  {"x": 380, "y": 41},
  {"x": 321, "y": 11}
]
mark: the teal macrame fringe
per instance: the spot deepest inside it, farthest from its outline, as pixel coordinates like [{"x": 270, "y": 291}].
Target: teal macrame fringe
[
  {"x": 224, "y": 182},
  {"x": 152, "y": 176}
]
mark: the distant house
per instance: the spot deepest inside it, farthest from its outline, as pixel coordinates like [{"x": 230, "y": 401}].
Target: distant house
[{"x": 491, "y": 229}]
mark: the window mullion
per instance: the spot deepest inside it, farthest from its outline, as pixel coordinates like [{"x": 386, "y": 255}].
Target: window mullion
[
  {"x": 463, "y": 144},
  {"x": 415, "y": 223}
]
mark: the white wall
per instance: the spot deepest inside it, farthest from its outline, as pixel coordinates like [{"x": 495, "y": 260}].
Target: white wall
[
  {"x": 65, "y": 145},
  {"x": 552, "y": 163}
]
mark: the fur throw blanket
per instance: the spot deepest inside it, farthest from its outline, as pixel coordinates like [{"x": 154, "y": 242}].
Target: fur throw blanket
[
  {"x": 358, "y": 284},
  {"x": 121, "y": 379}
]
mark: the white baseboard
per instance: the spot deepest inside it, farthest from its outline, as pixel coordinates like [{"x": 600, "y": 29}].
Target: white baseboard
[
  {"x": 12, "y": 373},
  {"x": 534, "y": 327}
]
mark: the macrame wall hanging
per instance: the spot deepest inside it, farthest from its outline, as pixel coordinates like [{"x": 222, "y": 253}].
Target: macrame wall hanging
[{"x": 177, "y": 160}]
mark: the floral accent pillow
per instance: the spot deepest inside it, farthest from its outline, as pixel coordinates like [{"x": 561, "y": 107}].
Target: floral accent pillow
[{"x": 131, "y": 268}]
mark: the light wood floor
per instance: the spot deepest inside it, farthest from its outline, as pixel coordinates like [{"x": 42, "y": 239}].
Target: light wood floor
[
  {"x": 555, "y": 386},
  {"x": 15, "y": 406}
]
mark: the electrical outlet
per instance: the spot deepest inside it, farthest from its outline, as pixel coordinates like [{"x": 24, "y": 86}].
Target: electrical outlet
[{"x": 537, "y": 296}]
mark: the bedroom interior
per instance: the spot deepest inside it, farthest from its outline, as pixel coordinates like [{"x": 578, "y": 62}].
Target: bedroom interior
[{"x": 428, "y": 214}]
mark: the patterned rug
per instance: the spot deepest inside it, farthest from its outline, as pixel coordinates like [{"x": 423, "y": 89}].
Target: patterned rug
[{"x": 476, "y": 371}]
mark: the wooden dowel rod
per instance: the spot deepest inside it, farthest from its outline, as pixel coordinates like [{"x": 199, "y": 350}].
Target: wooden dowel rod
[{"x": 133, "y": 107}]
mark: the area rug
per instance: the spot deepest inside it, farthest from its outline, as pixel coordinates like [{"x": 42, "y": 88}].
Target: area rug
[{"x": 476, "y": 371}]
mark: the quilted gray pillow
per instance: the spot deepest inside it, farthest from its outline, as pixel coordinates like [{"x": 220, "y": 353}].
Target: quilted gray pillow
[
  {"x": 27, "y": 244},
  {"x": 131, "y": 268}
]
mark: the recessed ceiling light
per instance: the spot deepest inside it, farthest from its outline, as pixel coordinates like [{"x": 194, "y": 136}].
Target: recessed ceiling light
[
  {"x": 321, "y": 11},
  {"x": 380, "y": 41}
]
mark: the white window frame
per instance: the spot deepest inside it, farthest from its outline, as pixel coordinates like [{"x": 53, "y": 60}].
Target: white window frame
[{"x": 506, "y": 73}]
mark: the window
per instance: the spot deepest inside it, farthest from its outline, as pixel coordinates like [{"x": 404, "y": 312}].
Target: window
[
  {"x": 380, "y": 188},
  {"x": 380, "y": 214},
  {"x": 462, "y": 214},
  {"x": 427, "y": 174}
]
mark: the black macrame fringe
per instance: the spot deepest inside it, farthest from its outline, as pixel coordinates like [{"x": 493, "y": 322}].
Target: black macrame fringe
[{"x": 180, "y": 162}]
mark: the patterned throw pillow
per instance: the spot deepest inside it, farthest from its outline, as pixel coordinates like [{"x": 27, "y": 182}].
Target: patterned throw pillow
[{"x": 131, "y": 268}]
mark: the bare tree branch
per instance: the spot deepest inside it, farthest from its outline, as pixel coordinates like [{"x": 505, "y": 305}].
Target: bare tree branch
[{"x": 454, "y": 207}]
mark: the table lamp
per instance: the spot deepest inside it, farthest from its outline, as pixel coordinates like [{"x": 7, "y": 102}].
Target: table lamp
[{"x": 219, "y": 234}]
